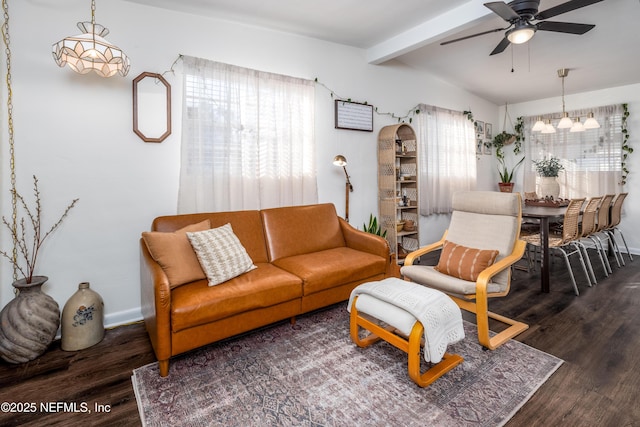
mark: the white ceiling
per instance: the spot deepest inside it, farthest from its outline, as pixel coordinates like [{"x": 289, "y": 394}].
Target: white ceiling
[{"x": 410, "y": 31}]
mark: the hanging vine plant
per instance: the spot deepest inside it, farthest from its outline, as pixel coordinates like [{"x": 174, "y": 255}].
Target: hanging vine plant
[{"x": 626, "y": 148}]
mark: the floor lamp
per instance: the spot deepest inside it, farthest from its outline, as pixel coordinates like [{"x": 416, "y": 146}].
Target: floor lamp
[{"x": 340, "y": 160}]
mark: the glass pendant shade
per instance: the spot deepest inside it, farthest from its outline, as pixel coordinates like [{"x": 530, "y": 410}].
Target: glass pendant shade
[
  {"x": 538, "y": 126},
  {"x": 591, "y": 122},
  {"x": 89, "y": 51},
  {"x": 577, "y": 126},
  {"x": 565, "y": 122},
  {"x": 548, "y": 127}
]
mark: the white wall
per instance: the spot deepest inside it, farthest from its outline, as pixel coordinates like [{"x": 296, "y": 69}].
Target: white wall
[
  {"x": 617, "y": 95},
  {"x": 75, "y": 132}
]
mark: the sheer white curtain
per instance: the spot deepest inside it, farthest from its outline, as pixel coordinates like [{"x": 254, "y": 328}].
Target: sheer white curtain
[
  {"x": 247, "y": 139},
  {"x": 592, "y": 159},
  {"x": 447, "y": 157}
]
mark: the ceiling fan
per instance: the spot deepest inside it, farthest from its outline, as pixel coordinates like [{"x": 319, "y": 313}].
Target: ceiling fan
[{"x": 520, "y": 13}]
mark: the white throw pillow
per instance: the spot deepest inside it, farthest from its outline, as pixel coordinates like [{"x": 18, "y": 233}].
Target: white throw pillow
[{"x": 220, "y": 253}]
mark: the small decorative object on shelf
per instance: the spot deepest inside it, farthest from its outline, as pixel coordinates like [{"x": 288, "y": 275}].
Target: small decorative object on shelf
[{"x": 82, "y": 319}]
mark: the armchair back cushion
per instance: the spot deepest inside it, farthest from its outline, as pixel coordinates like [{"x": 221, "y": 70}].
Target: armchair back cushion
[{"x": 486, "y": 220}]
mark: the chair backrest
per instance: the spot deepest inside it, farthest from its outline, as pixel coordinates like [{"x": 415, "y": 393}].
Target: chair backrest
[
  {"x": 486, "y": 220},
  {"x": 603, "y": 212},
  {"x": 616, "y": 210},
  {"x": 571, "y": 219},
  {"x": 588, "y": 223}
]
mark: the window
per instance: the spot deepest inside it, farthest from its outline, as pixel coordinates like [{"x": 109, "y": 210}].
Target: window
[
  {"x": 247, "y": 139},
  {"x": 592, "y": 159},
  {"x": 447, "y": 159}
]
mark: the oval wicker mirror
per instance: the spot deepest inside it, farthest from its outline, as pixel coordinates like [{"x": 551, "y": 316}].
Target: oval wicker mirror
[{"x": 151, "y": 107}]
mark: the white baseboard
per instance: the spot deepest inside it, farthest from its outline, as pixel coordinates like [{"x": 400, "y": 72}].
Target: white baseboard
[{"x": 112, "y": 320}]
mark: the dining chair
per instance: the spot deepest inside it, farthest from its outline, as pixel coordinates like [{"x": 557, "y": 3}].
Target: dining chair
[
  {"x": 566, "y": 244},
  {"x": 603, "y": 223},
  {"x": 585, "y": 241},
  {"x": 616, "y": 216}
]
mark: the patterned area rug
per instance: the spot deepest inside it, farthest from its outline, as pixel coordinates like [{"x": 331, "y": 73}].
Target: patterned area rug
[{"x": 311, "y": 374}]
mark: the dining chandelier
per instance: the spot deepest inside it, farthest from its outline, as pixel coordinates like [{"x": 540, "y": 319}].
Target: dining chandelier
[
  {"x": 566, "y": 122},
  {"x": 89, "y": 51}
]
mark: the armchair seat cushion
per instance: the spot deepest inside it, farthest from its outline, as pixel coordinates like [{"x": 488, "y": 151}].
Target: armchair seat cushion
[
  {"x": 446, "y": 283},
  {"x": 197, "y": 303},
  {"x": 332, "y": 267}
]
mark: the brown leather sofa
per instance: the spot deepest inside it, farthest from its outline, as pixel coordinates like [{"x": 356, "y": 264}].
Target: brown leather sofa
[{"x": 306, "y": 257}]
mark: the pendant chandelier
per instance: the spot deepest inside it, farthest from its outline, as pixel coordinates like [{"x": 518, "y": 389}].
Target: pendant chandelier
[
  {"x": 89, "y": 51},
  {"x": 574, "y": 125}
]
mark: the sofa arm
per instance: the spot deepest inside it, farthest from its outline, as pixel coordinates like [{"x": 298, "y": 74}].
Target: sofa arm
[
  {"x": 365, "y": 242},
  {"x": 155, "y": 295}
]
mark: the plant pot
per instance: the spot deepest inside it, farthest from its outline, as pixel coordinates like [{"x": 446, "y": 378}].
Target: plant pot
[
  {"x": 548, "y": 187},
  {"x": 506, "y": 187},
  {"x": 28, "y": 324}
]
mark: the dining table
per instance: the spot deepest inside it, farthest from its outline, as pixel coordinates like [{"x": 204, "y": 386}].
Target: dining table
[{"x": 544, "y": 214}]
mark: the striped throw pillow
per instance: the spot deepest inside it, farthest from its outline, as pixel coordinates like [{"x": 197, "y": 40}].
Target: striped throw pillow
[
  {"x": 220, "y": 254},
  {"x": 464, "y": 263}
]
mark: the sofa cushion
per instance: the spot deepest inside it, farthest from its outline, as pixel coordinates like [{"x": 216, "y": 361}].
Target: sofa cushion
[
  {"x": 332, "y": 267},
  {"x": 464, "y": 263},
  {"x": 174, "y": 253},
  {"x": 247, "y": 225},
  {"x": 297, "y": 230},
  {"x": 197, "y": 303},
  {"x": 220, "y": 253}
]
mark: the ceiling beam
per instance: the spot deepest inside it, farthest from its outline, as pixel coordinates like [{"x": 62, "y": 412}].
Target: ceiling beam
[{"x": 433, "y": 30}]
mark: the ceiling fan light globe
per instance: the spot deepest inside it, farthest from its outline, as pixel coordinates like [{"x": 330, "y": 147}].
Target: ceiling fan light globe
[{"x": 519, "y": 35}]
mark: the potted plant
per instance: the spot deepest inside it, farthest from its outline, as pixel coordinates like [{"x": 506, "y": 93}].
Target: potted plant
[
  {"x": 500, "y": 140},
  {"x": 506, "y": 175},
  {"x": 548, "y": 170},
  {"x": 22, "y": 339},
  {"x": 374, "y": 227}
]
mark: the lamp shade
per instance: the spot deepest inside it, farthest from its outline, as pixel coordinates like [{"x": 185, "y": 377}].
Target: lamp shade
[
  {"x": 548, "y": 127},
  {"x": 340, "y": 160},
  {"x": 565, "y": 122},
  {"x": 89, "y": 51},
  {"x": 577, "y": 126},
  {"x": 538, "y": 126},
  {"x": 591, "y": 122}
]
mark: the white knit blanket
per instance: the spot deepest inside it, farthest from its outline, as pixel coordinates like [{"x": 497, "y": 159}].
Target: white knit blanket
[{"x": 439, "y": 315}]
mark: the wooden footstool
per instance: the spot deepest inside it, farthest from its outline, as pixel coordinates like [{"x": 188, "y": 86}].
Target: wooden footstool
[{"x": 410, "y": 317}]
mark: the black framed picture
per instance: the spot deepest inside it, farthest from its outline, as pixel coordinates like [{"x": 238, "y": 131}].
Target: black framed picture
[{"x": 354, "y": 116}]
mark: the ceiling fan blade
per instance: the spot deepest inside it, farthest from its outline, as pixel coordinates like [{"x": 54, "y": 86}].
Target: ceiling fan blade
[
  {"x": 501, "y": 46},
  {"x": 503, "y": 10},
  {"x": 564, "y": 27},
  {"x": 471, "y": 36},
  {"x": 564, "y": 8}
]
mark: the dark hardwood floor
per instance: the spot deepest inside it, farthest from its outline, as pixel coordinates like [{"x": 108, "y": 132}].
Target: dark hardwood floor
[{"x": 595, "y": 334}]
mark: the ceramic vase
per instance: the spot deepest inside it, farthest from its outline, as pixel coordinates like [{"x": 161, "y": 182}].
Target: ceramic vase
[
  {"x": 82, "y": 319},
  {"x": 28, "y": 324},
  {"x": 548, "y": 187}
]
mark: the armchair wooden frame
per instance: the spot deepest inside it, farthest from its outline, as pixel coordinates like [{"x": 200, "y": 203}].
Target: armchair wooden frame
[
  {"x": 478, "y": 303},
  {"x": 410, "y": 345}
]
